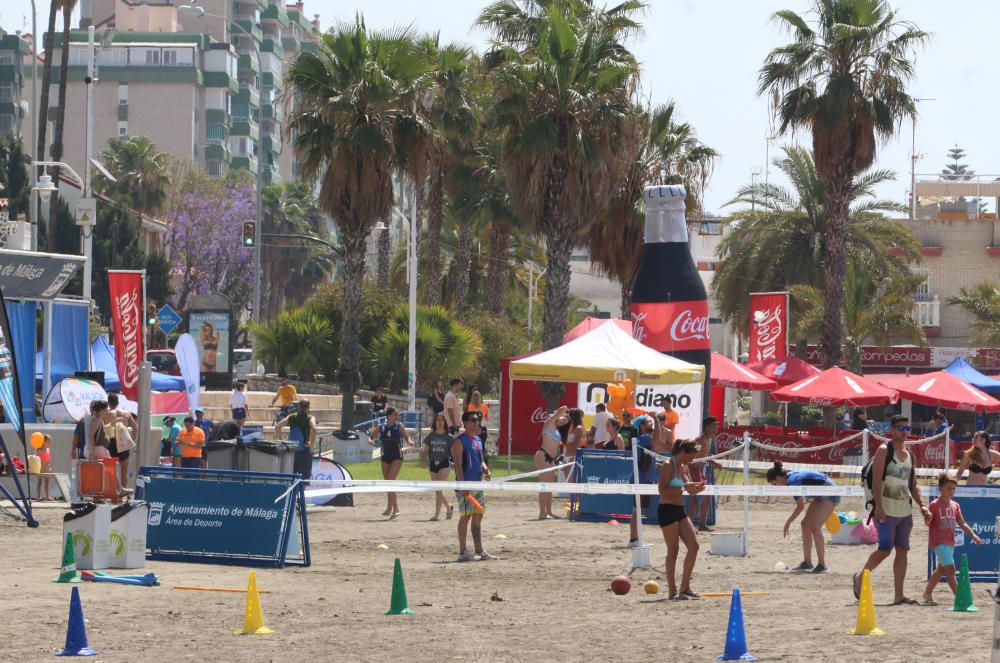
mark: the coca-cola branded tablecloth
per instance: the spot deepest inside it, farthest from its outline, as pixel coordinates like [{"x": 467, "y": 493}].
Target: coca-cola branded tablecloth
[{"x": 927, "y": 454}]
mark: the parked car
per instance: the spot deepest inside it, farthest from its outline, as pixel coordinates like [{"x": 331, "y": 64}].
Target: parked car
[
  {"x": 164, "y": 361},
  {"x": 242, "y": 363}
]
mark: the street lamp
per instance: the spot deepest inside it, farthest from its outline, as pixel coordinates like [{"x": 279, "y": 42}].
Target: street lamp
[
  {"x": 45, "y": 188},
  {"x": 198, "y": 12},
  {"x": 33, "y": 206}
]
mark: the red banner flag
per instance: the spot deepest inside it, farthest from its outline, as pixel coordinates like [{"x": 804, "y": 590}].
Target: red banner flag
[
  {"x": 126, "y": 318},
  {"x": 768, "y": 326}
]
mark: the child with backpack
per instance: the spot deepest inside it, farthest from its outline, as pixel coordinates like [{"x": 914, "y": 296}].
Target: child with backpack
[{"x": 945, "y": 516}]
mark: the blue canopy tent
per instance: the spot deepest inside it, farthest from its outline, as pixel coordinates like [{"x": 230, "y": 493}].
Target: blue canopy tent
[
  {"x": 962, "y": 369},
  {"x": 103, "y": 359}
]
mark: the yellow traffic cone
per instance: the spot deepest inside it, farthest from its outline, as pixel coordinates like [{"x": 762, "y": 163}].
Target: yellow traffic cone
[
  {"x": 866, "y": 610},
  {"x": 253, "y": 621}
]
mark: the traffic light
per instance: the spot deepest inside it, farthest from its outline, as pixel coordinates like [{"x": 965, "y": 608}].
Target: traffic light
[
  {"x": 249, "y": 235},
  {"x": 152, "y": 317}
]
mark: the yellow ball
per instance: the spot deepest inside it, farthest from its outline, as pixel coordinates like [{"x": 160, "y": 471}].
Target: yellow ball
[{"x": 651, "y": 587}]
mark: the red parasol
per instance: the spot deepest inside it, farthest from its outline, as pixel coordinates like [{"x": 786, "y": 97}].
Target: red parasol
[
  {"x": 835, "y": 386},
  {"x": 941, "y": 389},
  {"x": 731, "y": 374},
  {"x": 787, "y": 370}
]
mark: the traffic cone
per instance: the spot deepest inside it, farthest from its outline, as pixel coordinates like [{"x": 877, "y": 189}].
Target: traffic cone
[
  {"x": 736, "y": 638},
  {"x": 866, "y": 609},
  {"x": 253, "y": 619},
  {"x": 76, "y": 630},
  {"x": 963, "y": 594},
  {"x": 398, "y": 605},
  {"x": 68, "y": 572}
]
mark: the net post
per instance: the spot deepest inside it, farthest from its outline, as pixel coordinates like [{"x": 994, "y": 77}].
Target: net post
[
  {"x": 864, "y": 447},
  {"x": 947, "y": 448},
  {"x": 746, "y": 498}
]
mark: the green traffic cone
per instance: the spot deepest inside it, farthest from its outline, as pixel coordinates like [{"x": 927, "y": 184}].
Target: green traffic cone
[
  {"x": 68, "y": 572},
  {"x": 398, "y": 606},
  {"x": 963, "y": 595}
]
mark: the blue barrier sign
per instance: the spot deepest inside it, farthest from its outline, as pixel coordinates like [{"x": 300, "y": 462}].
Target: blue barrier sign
[
  {"x": 980, "y": 507},
  {"x": 600, "y": 466},
  {"x": 225, "y": 517}
]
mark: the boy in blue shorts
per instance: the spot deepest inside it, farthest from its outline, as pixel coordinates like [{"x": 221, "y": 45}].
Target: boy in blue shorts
[
  {"x": 946, "y": 515},
  {"x": 467, "y": 458}
]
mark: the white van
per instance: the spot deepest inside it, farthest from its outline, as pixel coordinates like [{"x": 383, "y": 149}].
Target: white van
[{"x": 242, "y": 364}]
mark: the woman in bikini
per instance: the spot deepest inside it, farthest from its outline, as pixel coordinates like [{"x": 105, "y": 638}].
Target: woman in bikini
[
  {"x": 576, "y": 436},
  {"x": 548, "y": 456},
  {"x": 978, "y": 460},
  {"x": 675, "y": 478}
]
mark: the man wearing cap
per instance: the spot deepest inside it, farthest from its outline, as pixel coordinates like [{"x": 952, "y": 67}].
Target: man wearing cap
[
  {"x": 302, "y": 431},
  {"x": 171, "y": 429},
  {"x": 206, "y": 426},
  {"x": 191, "y": 441}
]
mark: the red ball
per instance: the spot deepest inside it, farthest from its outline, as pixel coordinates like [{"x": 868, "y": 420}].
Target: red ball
[{"x": 621, "y": 585}]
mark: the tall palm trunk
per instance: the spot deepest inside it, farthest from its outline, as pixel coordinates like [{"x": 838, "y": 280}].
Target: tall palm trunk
[
  {"x": 384, "y": 257},
  {"x": 558, "y": 248},
  {"x": 350, "y": 310},
  {"x": 463, "y": 259},
  {"x": 432, "y": 247},
  {"x": 626, "y": 305},
  {"x": 57, "y": 138},
  {"x": 835, "y": 269},
  {"x": 498, "y": 270},
  {"x": 43, "y": 100}
]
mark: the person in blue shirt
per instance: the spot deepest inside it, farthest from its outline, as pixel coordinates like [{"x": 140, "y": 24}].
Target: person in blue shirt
[
  {"x": 655, "y": 437},
  {"x": 171, "y": 429},
  {"x": 206, "y": 425},
  {"x": 470, "y": 465},
  {"x": 819, "y": 510}
]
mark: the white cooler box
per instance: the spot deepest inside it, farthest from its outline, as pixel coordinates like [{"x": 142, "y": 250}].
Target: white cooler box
[
  {"x": 127, "y": 539},
  {"x": 90, "y": 525}
]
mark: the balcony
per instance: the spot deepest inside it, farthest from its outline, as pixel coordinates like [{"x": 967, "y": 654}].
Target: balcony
[
  {"x": 247, "y": 95},
  {"x": 248, "y": 163},
  {"x": 928, "y": 315},
  {"x": 248, "y": 60},
  {"x": 250, "y": 25},
  {"x": 275, "y": 13}
]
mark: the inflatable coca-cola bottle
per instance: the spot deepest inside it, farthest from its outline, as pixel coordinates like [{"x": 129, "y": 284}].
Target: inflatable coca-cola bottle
[{"x": 669, "y": 304}]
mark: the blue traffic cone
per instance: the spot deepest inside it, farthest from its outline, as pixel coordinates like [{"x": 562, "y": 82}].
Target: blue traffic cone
[
  {"x": 736, "y": 638},
  {"x": 76, "y": 631}
]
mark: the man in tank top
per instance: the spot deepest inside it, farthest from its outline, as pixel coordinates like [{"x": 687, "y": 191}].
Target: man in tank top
[{"x": 894, "y": 495}]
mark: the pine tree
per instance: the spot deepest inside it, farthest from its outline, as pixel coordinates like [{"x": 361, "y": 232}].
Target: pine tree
[{"x": 956, "y": 170}]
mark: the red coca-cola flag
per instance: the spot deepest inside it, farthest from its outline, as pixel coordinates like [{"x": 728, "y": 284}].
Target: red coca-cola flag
[
  {"x": 126, "y": 318},
  {"x": 768, "y": 326}
]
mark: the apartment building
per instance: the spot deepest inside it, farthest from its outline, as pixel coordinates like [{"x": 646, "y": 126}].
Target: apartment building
[
  {"x": 194, "y": 84},
  {"x": 13, "y": 104}
]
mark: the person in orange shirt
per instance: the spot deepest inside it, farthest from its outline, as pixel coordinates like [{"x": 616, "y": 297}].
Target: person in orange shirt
[
  {"x": 191, "y": 440},
  {"x": 476, "y": 404}
]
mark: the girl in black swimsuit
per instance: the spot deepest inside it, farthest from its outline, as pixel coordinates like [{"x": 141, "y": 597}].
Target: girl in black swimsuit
[
  {"x": 978, "y": 460},
  {"x": 391, "y": 436}
]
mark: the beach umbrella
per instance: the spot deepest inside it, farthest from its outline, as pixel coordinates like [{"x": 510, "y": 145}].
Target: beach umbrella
[
  {"x": 784, "y": 371},
  {"x": 733, "y": 375},
  {"x": 941, "y": 389},
  {"x": 836, "y": 387}
]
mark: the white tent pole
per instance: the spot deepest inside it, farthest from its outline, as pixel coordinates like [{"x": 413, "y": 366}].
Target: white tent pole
[
  {"x": 864, "y": 447},
  {"x": 947, "y": 447},
  {"x": 746, "y": 498},
  {"x": 510, "y": 418}
]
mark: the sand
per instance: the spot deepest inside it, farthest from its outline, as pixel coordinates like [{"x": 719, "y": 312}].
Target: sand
[{"x": 553, "y": 580}]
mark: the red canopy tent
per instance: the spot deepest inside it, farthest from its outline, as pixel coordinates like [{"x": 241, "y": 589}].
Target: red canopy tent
[
  {"x": 940, "y": 389},
  {"x": 591, "y": 323},
  {"x": 834, "y": 387},
  {"x": 787, "y": 370},
  {"x": 733, "y": 375}
]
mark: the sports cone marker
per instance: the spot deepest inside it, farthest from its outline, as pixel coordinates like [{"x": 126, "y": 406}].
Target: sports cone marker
[
  {"x": 963, "y": 594},
  {"x": 736, "y": 638},
  {"x": 68, "y": 568},
  {"x": 866, "y": 609},
  {"x": 398, "y": 605},
  {"x": 253, "y": 620},
  {"x": 76, "y": 630}
]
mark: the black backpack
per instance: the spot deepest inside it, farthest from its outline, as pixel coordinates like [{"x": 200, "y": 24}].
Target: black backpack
[{"x": 867, "y": 482}]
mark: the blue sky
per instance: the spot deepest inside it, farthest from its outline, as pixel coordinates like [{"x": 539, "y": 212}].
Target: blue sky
[{"x": 705, "y": 56}]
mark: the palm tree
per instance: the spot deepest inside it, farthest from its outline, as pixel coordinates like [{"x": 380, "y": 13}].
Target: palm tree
[
  {"x": 67, "y": 7},
  {"x": 455, "y": 118},
  {"x": 844, "y": 79},
  {"x": 778, "y": 243},
  {"x": 983, "y": 302},
  {"x": 659, "y": 150},
  {"x": 562, "y": 80},
  {"x": 877, "y": 305},
  {"x": 141, "y": 170},
  {"x": 354, "y": 96}
]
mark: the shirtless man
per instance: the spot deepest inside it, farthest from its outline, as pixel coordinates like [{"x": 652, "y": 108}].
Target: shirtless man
[
  {"x": 654, "y": 437},
  {"x": 548, "y": 456},
  {"x": 704, "y": 472}
]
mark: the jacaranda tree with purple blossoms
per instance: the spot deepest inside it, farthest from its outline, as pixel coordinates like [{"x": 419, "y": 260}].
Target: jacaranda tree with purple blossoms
[{"x": 205, "y": 238}]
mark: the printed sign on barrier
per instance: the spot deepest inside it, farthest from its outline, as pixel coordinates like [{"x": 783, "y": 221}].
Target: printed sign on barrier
[
  {"x": 980, "y": 505},
  {"x": 225, "y": 517}
]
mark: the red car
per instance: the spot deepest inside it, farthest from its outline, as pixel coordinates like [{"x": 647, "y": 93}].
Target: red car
[{"x": 164, "y": 361}]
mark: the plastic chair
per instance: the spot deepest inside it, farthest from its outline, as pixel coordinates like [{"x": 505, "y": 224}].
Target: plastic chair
[{"x": 99, "y": 480}]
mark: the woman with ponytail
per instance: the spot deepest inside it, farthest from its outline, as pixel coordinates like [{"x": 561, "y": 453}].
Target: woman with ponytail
[
  {"x": 818, "y": 511},
  {"x": 675, "y": 479}
]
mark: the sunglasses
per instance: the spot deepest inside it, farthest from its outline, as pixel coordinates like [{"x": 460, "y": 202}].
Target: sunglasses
[{"x": 904, "y": 428}]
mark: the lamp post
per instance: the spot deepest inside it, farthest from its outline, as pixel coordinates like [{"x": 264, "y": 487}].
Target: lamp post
[
  {"x": 913, "y": 159},
  {"x": 198, "y": 12},
  {"x": 33, "y": 204}
]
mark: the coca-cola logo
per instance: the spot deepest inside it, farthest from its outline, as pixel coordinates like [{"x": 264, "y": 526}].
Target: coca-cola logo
[
  {"x": 538, "y": 416},
  {"x": 639, "y": 327},
  {"x": 769, "y": 326},
  {"x": 934, "y": 452},
  {"x": 839, "y": 452},
  {"x": 128, "y": 311},
  {"x": 822, "y": 402},
  {"x": 687, "y": 327}
]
